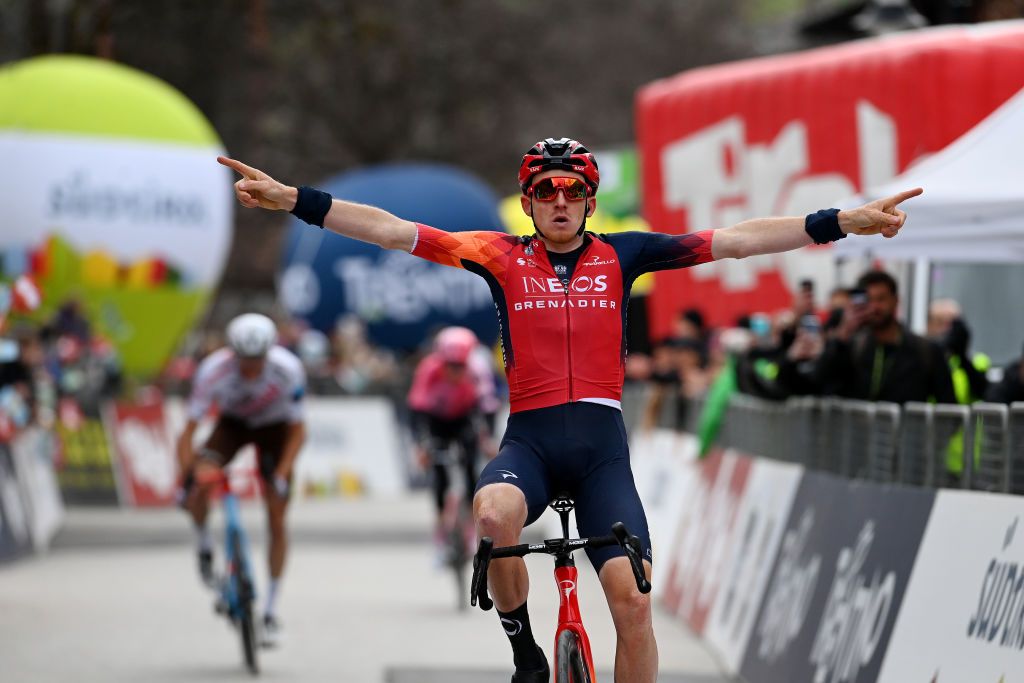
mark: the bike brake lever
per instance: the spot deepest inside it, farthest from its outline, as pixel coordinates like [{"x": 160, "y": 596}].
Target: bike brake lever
[
  {"x": 631, "y": 544},
  {"x": 478, "y": 586}
]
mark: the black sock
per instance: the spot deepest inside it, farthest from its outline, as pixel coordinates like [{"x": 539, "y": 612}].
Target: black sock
[{"x": 524, "y": 648}]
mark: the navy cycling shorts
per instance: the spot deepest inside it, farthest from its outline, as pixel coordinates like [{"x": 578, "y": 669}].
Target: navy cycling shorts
[{"x": 580, "y": 449}]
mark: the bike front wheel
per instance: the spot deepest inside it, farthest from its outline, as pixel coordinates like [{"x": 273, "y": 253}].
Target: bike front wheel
[
  {"x": 246, "y": 623},
  {"x": 571, "y": 666}
]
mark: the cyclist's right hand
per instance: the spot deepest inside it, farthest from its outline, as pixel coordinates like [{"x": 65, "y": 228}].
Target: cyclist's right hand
[
  {"x": 257, "y": 189},
  {"x": 422, "y": 457}
]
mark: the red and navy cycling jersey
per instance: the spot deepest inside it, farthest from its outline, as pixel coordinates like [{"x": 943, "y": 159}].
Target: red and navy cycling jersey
[{"x": 562, "y": 344}]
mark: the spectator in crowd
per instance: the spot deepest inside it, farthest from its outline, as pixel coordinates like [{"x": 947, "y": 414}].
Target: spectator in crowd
[
  {"x": 360, "y": 367},
  {"x": 677, "y": 375},
  {"x": 1011, "y": 388},
  {"x": 871, "y": 355},
  {"x": 947, "y": 328},
  {"x": 71, "y": 322},
  {"x": 689, "y": 324}
]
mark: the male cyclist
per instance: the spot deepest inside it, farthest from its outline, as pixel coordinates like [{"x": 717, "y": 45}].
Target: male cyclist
[
  {"x": 561, "y": 298},
  {"x": 257, "y": 388},
  {"x": 447, "y": 401}
]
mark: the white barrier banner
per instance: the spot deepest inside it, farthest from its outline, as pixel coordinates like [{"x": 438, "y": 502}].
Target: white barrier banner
[
  {"x": 705, "y": 530},
  {"x": 760, "y": 521},
  {"x": 962, "y": 620},
  {"x": 352, "y": 446},
  {"x": 33, "y": 452},
  {"x": 662, "y": 461}
]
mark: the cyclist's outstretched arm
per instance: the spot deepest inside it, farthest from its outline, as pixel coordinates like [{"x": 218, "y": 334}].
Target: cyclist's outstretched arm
[
  {"x": 773, "y": 235},
  {"x": 256, "y": 189}
]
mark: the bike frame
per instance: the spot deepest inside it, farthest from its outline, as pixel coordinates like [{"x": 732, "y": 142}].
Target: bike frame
[
  {"x": 569, "y": 618},
  {"x": 233, "y": 529},
  {"x": 566, "y": 575}
]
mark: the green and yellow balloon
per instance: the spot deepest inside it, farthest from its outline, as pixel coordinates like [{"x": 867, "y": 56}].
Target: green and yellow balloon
[{"x": 114, "y": 199}]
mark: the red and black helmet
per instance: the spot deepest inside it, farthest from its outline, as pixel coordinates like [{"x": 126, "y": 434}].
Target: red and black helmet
[{"x": 561, "y": 153}]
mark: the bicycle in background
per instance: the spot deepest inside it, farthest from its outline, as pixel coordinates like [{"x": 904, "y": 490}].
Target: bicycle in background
[
  {"x": 573, "y": 660},
  {"x": 457, "y": 531},
  {"x": 236, "y": 591}
]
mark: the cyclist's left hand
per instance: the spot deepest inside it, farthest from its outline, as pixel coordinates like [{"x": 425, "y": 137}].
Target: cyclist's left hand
[{"x": 879, "y": 216}]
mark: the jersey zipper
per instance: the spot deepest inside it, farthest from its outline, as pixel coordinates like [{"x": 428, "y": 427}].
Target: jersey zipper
[
  {"x": 568, "y": 339},
  {"x": 568, "y": 318}
]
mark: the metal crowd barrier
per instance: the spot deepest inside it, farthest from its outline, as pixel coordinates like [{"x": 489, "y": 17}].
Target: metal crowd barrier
[
  {"x": 915, "y": 444},
  {"x": 883, "y": 442}
]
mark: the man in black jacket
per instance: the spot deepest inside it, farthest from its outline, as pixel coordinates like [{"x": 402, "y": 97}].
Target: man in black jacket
[
  {"x": 871, "y": 356},
  {"x": 1011, "y": 388}
]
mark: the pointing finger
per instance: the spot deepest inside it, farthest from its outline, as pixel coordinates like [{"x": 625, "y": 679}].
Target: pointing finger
[
  {"x": 239, "y": 167},
  {"x": 903, "y": 196}
]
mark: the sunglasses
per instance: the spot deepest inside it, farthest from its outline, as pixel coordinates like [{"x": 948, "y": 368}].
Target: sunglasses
[{"x": 546, "y": 190}]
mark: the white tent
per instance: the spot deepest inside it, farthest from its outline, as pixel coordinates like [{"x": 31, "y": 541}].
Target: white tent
[{"x": 972, "y": 209}]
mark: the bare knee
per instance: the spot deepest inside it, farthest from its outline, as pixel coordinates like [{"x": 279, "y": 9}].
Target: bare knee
[
  {"x": 631, "y": 612},
  {"x": 631, "y": 609},
  {"x": 500, "y": 512}
]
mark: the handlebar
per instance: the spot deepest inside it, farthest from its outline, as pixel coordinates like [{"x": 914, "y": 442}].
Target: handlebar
[{"x": 556, "y": 546}]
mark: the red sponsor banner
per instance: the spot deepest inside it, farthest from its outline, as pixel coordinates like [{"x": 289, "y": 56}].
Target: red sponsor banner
[
  {"x": 144, "y": 444},
  {"x": 704, "y": 535},
  {"x": 791, "y": 134},
  {"x": 145, "y": 453}
]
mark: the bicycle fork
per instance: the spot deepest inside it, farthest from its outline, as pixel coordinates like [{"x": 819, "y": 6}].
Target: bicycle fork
[{"x": 569, "y": 618}]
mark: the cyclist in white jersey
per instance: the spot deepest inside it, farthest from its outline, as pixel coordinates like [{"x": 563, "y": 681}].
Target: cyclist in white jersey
[{"x": 256, "y": 388}]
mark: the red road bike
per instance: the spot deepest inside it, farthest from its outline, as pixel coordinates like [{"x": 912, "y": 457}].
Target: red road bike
[{"x": 573, "y": 660}]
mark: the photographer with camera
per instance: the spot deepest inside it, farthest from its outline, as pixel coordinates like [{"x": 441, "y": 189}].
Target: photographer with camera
[{"x": 872, "y": 356}]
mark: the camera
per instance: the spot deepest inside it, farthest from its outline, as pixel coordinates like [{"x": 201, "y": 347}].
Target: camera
[{"x": 810, "y": 324}]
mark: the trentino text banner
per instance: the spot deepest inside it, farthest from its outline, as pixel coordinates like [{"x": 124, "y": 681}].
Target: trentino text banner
[
  {"x": 963, "y": 617},
  {"x": 791, "y": 134}
]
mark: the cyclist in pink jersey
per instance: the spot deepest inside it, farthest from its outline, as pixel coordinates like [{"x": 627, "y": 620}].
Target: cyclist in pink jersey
[
  {"x": 447, "y": 403},
  {"x": 560, "y": 296}
]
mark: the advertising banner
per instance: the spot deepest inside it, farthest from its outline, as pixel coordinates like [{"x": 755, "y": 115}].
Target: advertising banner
[
  {"x": 837, "y": 583},
  {"x": 33, "y": 451},
  {"x": 664, "y": 464},
  {"x": 15, "y": 534},
  {"x": 400, "y": 297},
  {"x": 962, "y": 619},
  {"x": 705, "y": 531},
  {"x": 729, "y": 142},
  {"x": 749, "y": 557},
  {"x": 121, "y": 205},
  {"x": 352, "y": 447},
  {"x": 85, "y": 466},
  {"x": 145, "y": 451}
]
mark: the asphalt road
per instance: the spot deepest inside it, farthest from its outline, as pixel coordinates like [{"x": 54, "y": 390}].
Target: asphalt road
[{"x": 118, "y": 599}]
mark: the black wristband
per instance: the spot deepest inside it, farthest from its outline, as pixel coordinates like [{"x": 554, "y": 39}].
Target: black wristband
[
  {"x": 823, "y": 226},
  {"x": 312, "y": 206}
]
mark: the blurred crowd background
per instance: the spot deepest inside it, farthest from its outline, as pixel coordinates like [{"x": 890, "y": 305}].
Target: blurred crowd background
[{"x": 311, "y": 89}]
